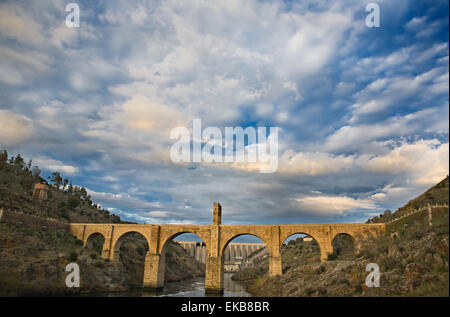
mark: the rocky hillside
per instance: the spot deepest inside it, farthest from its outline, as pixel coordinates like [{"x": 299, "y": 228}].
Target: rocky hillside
[
  {"x": 415, "y": 263},
  {"x": 33, "y": 260},
  {"x": 65, "y": 202}
]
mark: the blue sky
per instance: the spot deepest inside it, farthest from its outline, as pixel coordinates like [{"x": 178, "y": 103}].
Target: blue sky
[{"x": 362, "y": 112}]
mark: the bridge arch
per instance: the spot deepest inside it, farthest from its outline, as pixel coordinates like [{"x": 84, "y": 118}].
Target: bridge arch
[
  {"x": 230, "y": 236},
  {"x": 160, "y": 258},
  {"x": 95, "y": 241},
  {"x": 123, "y": 237},
  {"x": 241, "y": 253},
  {"x": 171, "y": 235},
  {"x": 227, "y": 244},
  {"x": 347, "y": 234},
  {"x": 344, "y": 243},
  {"x": 196, "y": 249},
  {"x": 320, "y": 234},
  {"x": 304, "y": 246}
]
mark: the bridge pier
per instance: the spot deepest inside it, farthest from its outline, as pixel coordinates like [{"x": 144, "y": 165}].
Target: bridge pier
[
  {"x": 154, "y": 272},
  {"x": 106, "y": 248},
  {"x": 214, "y": 275},
  {"x": 358, "y": 246},
  {"x": 275, "y": 266},
  {"x": 326, "y": 248}
]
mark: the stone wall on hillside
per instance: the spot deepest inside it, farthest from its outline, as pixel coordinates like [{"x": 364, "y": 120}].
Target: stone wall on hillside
[{"x": 14, "y": 217}]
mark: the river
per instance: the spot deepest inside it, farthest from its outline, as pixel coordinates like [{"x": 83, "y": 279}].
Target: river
[{"x": 194, "y": 287}]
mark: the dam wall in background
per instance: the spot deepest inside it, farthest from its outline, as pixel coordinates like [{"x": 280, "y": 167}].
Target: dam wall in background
[{"x": 233, "y": 251}]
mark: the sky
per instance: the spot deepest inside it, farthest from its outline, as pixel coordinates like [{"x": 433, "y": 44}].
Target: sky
[{"x": 362, "y": 112}]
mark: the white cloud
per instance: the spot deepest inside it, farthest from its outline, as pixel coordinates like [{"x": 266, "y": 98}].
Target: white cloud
[
  {"x": 55, "y": 165},
  {"x": 318, "y": 163},
  {"x": 122, "y": 201},
  {"x": 14, "y": 128},
  {"x": 143, "y": 114},
  {"x": 425, "y": 162},
  {"x": 18, "y": 24},
  {"x": 333, "y": 204},
  {"x": 354, "y": 137}
]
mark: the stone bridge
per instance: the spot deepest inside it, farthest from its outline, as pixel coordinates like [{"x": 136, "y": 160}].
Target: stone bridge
[{"x": 216, "y": 238}]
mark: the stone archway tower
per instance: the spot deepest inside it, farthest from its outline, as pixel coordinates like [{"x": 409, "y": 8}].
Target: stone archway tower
[{"x": 217, "y": 214}]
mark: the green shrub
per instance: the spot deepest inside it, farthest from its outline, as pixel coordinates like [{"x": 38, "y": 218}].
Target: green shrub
[
  {"x": 73, "y": 256},
  {"x": 358, "y": 289},
  {"x": 332, "y": 256},
  {"x": 73, "y": 202},
  {"x": 64, "y": 213}
]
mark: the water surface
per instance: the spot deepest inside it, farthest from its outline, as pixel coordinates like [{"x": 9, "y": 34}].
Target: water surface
[{"x": 194, "y": 287}]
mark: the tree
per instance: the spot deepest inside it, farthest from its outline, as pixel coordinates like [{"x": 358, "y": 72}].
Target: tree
[
  {"x": 76, "y": 191},
  {"x": 73, "y": 202},
  {"x": 65, "y": 182},
  {"x": 83, "y": 193},
  {"x": 3, "y": 158},
  {"x": 70, "y": 188},
  {"x": 56, "y": 179},
  {"x": 89, "y": 200},
  {"x": 28, "y": 167},
  {"x": 19, "y": 162}
]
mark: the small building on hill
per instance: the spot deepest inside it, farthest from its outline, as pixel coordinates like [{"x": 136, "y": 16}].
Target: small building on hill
[{"x": 40, "y": 191}]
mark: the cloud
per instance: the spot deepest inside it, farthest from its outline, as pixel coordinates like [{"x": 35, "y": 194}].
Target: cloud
[
  {"x": 333, "y": 204},
  {"x": 14, "y": 128},
  {"x": 363, "y": 115},
  {"x": 354, "y": 137},
  {"x": 425, "y": 161},
  {"x": 143, "y": 114},
  {"x": 122, "y": 201},
  {"x": 313, "y": 163},
  {"x": 55, "y": 165},
  {"x": 16, "y": 23},
  {"x": 17, "y": 66}
]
